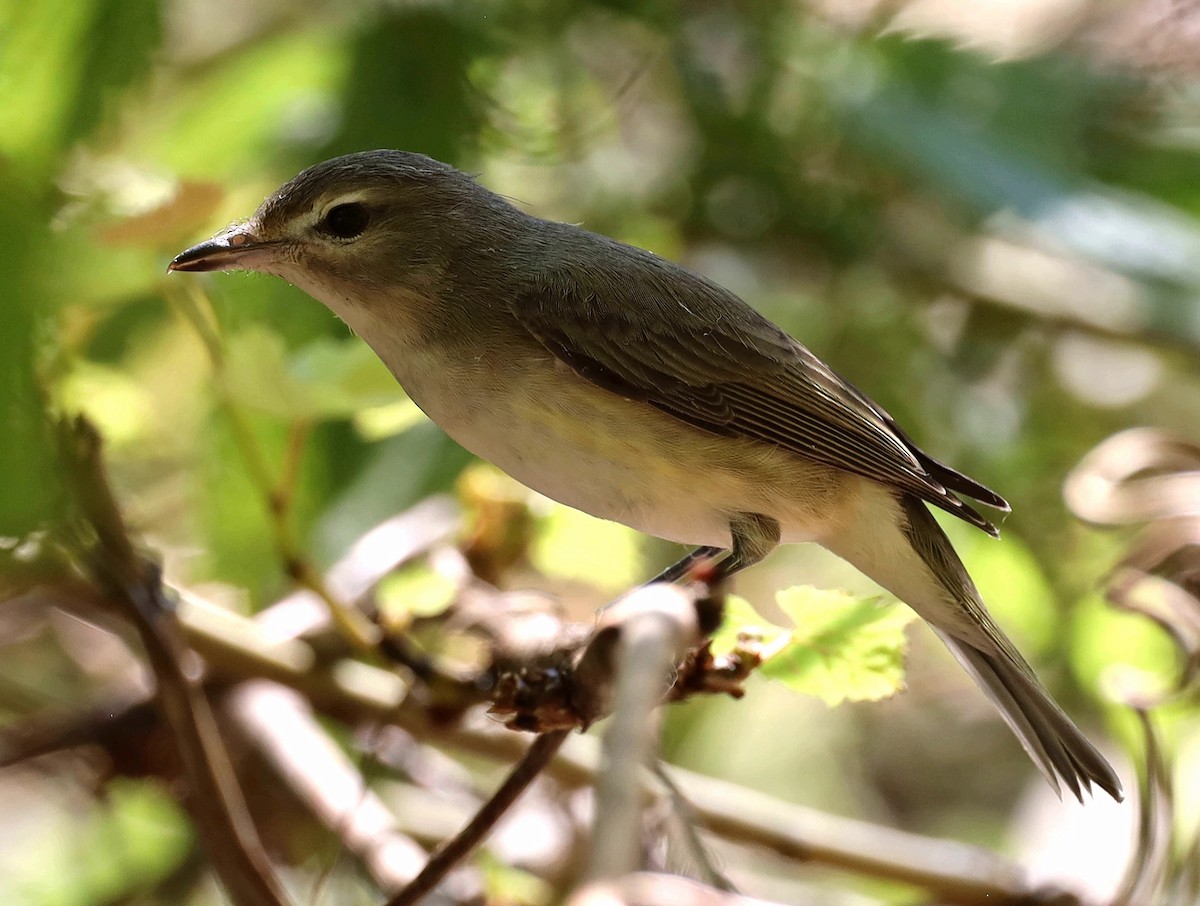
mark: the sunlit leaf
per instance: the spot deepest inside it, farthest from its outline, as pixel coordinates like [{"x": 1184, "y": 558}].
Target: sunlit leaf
[
  {"x": 231, "y": 116},
  {"x": 119, "y": 48},
  {"x": 741, "y": 619},
  {"x": 39, "y": 67},
  {"x": 111, "y": 853},
  {"x": 840, "y": 648},
  {"x": 574, "y": 545},
  {"x": 388, "y": 420},
  {"x": 417, "y": 591},
  {"x": 120, "y": 407},
  {"x": 509, "y": 884},
  {"x": 325, "y": 379},
  {"x": 191, "y": 208}
]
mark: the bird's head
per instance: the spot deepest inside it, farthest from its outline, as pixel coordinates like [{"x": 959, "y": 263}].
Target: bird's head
[{"x": 362, "y": 231}]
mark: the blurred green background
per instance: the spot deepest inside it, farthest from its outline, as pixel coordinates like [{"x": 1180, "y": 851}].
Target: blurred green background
[{"x": 993, "y": 231}]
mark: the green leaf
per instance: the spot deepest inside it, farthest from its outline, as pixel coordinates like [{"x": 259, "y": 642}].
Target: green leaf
[
  {"x": 41, "y": 66},
  {"x": 346, "y": 375},
  {"x": 840, "y": 649},
  {"x": 66, "y": 65},
  {"x": 416, "y": 591},
  {"x": 295, "y": 73},
  {"x": 741, "y": 619},
  {"x": 107, "y": 853},
  {"x": 509, "y": 884},
  {"x": 843, "y": 648},
  {"x": 257, "y": 375},
  {"x": 117, "y": 52},
  {"x": 327, "y": 379},
  {"x": 581, "y": 548}
]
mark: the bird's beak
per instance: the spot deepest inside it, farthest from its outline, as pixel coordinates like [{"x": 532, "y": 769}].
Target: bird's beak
[{"x": 237, "y": 248}]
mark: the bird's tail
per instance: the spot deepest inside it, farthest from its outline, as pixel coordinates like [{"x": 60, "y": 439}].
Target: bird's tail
[
  {"x": 1056, "y": 745},
  {"x": 911, "y": 557}
]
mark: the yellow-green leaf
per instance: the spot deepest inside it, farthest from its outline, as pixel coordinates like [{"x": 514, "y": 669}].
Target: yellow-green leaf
[
  {"x": 416, "y": 591},
  {"x": 842, "y": 648},
  {"x": 741, "y": 619},
  {"x": 327, "y": 379}
]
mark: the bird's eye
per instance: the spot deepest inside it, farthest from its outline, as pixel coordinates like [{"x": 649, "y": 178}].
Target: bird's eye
[{"x": 345, "y": 221}]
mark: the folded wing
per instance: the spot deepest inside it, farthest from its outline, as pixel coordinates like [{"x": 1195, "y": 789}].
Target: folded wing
[{"x": 688, "y": 347}]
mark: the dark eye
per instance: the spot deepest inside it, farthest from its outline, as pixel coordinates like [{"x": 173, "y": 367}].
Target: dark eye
[{"x": 345, "y": 221}]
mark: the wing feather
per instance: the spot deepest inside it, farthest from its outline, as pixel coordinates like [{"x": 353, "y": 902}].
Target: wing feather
[{"x": 691, "y": 349}]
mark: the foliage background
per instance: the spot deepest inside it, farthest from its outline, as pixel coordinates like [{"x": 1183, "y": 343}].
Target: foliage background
[{"x": 1005, "y": 253}]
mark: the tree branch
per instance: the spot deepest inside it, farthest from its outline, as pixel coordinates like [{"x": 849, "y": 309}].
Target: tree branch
[
  {"x": 133, "y": 583},
  {"x": 653, "y": 639}
]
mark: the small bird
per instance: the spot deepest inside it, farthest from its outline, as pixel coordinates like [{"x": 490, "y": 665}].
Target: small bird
[{"x": 636, "y": 390}]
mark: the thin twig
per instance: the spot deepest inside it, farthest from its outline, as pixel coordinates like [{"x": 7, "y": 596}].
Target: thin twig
[
  {"x": 281, "y": 724},
  {"x": 689, "y": 822},
  {"x": 275, "y": 494},
  {"x": 289, "y": 471},
  {"x": 956, "y": 873},
  {"x": 651, "y": 644},
  {"x": 453, "y": 851},
  {"x": 134, "y": 582}
]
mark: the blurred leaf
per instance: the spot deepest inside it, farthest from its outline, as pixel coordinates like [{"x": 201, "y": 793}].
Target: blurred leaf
[
  {"x": 500, "y": 525},
  {"x": 65, "y": 65},
  {"x": 408, "y": 84},
  {"x": 1123, "y": 231},
  {"x": 229, "y": 120},
  {"x": 388, "y": 420},
  {"x": 840, "y": 648},
  {"x": 257, "y": 375},
  {"x": 399, "y": 472},
  {"x": 120, "y": 406},
  {"x": 509, "y": 884},
  {"x": 415, "y": 591},
  {"x": 119, "y": 850},
  {"x": 29, "y": 495},
  {"x": 349, "y": 373},
  {"x": 120, "y": 43},
  {"x": 573, "y": 545},
  {"x": 323, "y": 380},
  {"x": 240, "y": 545},
  {"x": 742, "y": 619},
  {"x": 1118, "y": 654},
  {"x": 39, "y": 68},
  {"x": 175, "y": 220},
  {"x": 1011, "y": 582}
]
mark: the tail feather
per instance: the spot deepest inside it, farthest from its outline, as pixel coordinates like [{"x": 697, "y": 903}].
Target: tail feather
[
  {"x": 910, "y": 555},
  {"x": 1056, "y": 746}
]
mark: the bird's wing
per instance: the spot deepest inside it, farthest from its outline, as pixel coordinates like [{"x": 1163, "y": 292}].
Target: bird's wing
[{"x": 691, "y": 349}]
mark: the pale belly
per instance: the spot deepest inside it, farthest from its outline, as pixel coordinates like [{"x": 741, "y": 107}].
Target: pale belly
[
  {"x": 514, "y": 405},
  {"x": 619, "y": 459}
]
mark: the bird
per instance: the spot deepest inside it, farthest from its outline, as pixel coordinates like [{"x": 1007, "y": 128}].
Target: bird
[{"x": 632, "y": 388}]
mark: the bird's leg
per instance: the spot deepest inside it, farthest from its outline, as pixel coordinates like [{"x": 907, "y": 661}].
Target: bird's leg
[
  {"x": 677, "y": 571},
  {"x": 754, "y": 536}
]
